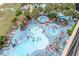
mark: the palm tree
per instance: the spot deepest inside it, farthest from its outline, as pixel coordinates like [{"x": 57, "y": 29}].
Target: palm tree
[
  {"x": 18, "y": 12},
  {"x": 21, "y": 20},
  {"x": 22, "y": 25},
  {"x": 48, "y": 8},
  {"x": 27, "y": 15},
  {"x": 35, "y": 13},
  {"x": 40, "y": 9}
]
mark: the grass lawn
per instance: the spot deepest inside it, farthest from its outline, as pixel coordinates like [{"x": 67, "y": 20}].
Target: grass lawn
[
  {"x": 5, "y": 22},
  {"x": 6, "y": 18}
]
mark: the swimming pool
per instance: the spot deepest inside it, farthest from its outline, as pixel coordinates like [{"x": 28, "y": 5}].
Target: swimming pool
[
  {"x": 36, "y": 37},
  {"x": 43, "y": 19},
  {"x": 54, "y": 30},
  {"x": 36, "y": 42}
]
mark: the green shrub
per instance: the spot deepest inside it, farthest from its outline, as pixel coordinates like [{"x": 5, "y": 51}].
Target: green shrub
[
  {"x": 2, "y": 39},
  {"x": 18, "y": 12},
  {"x": 52, "y": 15},
  {"x": 40, "y": 9},
  {"x": 73, "y": 28},
  {"x": 35, "y": 13},
  {"x": 23, "y": 4},
  {"x": 28, "y": 17},
  {"x": 14, "y": 20},
  {"x": 70, "y": 31},
  {"x": 22, "y": 25}
]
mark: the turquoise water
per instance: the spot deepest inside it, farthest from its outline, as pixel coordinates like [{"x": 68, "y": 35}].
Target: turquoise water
[
  {"x": 37, "y": 42},
  {"x": 36, "y": 37},
  {"x": 43, "y": 19},
  {"x": 54, "y": 30}
]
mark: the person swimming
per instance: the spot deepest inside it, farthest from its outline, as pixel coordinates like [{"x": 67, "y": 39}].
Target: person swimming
[
  {"x": 28, "y": 37},
  {"x": 13, "y": 45},
  {"x": 33, "y": 40}
]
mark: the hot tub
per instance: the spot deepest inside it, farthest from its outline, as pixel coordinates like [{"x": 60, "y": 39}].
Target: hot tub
[{"x": 43, "y": 19}]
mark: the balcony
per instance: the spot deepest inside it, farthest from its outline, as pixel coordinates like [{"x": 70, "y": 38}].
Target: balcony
[{"x": 72, "y": 44}]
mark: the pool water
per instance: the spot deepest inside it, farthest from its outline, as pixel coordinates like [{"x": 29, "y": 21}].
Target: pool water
[
  {"x": 32, "y": 44},
  {"x": 36, "y": 37},
  {"x": 43, "y": 19},
  {"x": 31, "y": 39},
  {"x": 54, "y": 30}
]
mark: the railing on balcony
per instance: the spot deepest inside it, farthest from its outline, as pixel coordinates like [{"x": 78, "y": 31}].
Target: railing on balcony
[
  {"x": 73, "y": 42},
  {"x": 73, "y": 48}
]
